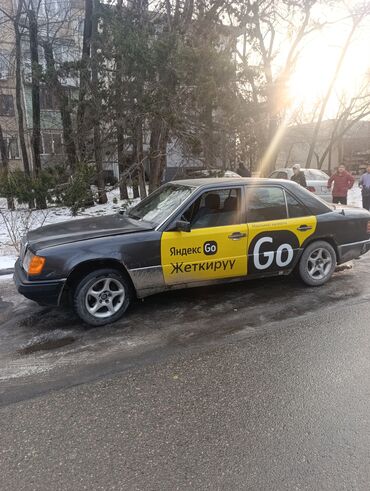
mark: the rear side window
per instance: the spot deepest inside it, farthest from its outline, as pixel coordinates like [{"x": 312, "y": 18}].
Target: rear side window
[
  {"x": 265, "y": 203},
  {"x": 295, "y": 208}
]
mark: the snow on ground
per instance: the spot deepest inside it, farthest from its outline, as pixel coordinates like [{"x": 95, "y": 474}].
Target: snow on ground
[
  {"x": 8, "y": 253},
  {"x": 354, "y": 196},
  {"x": 22, "y": 220},
  {"x": 7, "y": 262}
]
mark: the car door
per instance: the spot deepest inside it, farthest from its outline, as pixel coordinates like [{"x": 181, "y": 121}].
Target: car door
[
  {"x": 216, "y": 245},
  {"x": 278, "y": 225}
]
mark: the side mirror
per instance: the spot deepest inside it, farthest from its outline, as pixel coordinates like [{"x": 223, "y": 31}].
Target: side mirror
[{"x": 183, "y": 226}]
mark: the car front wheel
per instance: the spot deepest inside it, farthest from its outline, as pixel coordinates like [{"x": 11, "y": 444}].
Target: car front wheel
[
  {"x": 317, "y": 263},
  {"x": 102, "y": 297}
]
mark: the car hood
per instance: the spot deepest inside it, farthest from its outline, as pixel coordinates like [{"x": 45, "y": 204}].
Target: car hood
[{"x": 84, "y": 229}]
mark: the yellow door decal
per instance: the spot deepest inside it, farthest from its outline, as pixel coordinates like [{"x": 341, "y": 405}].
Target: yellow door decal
[
  {"x": 204, "y": 254},
  {"x": 211, "y": 253},
  {"x": 274, "y": 245}
]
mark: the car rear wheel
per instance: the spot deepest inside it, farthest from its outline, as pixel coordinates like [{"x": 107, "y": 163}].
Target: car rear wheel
[
  {"x": 317, "y": 263},
  {"x": 102, "y": 297}
]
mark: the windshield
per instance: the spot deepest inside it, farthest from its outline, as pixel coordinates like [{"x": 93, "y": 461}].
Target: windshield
[{"x": 160, "y": 204}]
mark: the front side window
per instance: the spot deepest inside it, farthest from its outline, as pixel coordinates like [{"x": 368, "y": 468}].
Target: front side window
[
  {"x": 265, "y": 203},
  {"x": 216, "y": 208},
  {"x": 160, "y": 204}
]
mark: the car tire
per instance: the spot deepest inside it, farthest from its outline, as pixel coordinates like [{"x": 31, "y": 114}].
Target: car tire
[
  {"x": 102, "y": 297},
  {"x": 317, "y": 263}
]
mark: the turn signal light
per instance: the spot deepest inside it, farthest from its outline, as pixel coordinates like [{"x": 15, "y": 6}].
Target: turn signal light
[
  {"x": 36, "y": 265},
  {"x": 368, "y": 227}
]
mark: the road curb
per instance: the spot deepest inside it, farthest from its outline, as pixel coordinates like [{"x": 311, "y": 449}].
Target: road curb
[{"x": 4, "y": 272}]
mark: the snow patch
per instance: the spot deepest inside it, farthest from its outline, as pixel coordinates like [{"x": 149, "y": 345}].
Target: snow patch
[
  {"x": 7, "y": 262},
  {"x": 8, "y": 253}
]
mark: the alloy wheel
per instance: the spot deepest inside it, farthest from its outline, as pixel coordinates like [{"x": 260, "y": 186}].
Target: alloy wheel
[
  {"x": 105, "y": 297},
  {"x": 319, "y": 263}
]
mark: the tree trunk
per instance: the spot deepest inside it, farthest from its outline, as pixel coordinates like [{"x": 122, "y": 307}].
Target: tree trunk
[
  {"x": 5, "y": 165},
  {"x": 208, "y": 143},
  {"x": 97, "y": 108},
  {"x": 121, "y": 162},
  {"x": 140, "y": 158},
  {"x": 119, "y": 109},
  {"x": 36, "y": 114},
  {"x": 18, "y": 98},
  {"x": 157, "y": 157},
  {"x": 84, "y": 79},
  {"x": 59, "y": 92}
]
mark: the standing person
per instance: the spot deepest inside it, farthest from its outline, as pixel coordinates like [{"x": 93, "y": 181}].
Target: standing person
[
  {"x": 365, "y": 188},
  {"x": 343, "y": 181},
  {"x": 243, "y": 171},
  {"x": 298, "y": 175}
]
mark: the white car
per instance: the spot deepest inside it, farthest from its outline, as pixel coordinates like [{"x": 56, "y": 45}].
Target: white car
[{"x": 317, "y": 181}]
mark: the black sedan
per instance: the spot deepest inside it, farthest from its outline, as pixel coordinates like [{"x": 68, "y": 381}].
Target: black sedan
[{"x": 189, "y": 233}]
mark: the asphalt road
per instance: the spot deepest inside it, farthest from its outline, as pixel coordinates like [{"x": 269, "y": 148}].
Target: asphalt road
[{"x": 253, "y": 386}]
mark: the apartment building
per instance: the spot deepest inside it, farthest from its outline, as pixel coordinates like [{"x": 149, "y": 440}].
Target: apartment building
[
  {"x": 61, "y": 21},
  {"x": 8, "y": 116}
]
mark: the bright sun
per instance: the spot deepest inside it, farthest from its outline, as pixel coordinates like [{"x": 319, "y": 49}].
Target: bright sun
[{"x": 316, "y": 67}]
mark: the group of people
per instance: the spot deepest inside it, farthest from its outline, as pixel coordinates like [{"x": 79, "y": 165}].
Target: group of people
[{"x": 340, "y": 182}]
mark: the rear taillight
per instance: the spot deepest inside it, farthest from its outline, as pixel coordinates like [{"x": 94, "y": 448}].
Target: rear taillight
[
  {"x": 312, "y": 189},
  {"x": 368, "y": 227}
]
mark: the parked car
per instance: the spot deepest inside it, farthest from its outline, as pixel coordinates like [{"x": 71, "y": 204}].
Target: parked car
[
  {"x": 317, "y": 181},
  {"x": 189, "y": 233}
]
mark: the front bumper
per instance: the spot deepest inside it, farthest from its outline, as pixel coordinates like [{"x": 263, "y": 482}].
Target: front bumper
[
  {"x": 44, "y": 292},
  {"x": 353, "y": 250}
]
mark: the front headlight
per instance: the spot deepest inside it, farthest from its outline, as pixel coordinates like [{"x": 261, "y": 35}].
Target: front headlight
[{"x": 33, "y": 264}]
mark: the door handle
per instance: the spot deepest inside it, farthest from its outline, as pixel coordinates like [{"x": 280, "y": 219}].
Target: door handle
[
  {"x": 303, "y": 228},
  {"x": 237, "y": 236}
]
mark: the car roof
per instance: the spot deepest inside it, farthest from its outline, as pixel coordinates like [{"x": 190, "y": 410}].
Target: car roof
[
  {"x": 284, "y": 169},
  {"x": 220, "y": 181}
]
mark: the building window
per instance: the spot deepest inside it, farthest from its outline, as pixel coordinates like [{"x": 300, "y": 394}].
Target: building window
[
  {"x": 4, "y": 65},
  {"x": 52, "y": 144},
  {"x": 11, "y": 145},
  {"x": 48, "y": 100},
  {"x": 6, "y": 105}
]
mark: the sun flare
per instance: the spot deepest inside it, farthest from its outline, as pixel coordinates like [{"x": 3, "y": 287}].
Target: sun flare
[{"x": 315, "y": 69}]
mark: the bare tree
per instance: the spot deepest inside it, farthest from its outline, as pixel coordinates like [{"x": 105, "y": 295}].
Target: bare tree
[
  {"x": 32, "y": 13},
  {"x": 259, "y": 21},
  {"x": 357, "y": 18}
]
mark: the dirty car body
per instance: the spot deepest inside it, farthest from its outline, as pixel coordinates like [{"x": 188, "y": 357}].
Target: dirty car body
[{"x": 189, "y": 233}]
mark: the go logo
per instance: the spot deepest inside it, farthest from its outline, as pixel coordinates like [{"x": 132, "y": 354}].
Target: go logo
[
  {"x": 210, "y": 248},
  {"x": 268, "y": 257}
]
